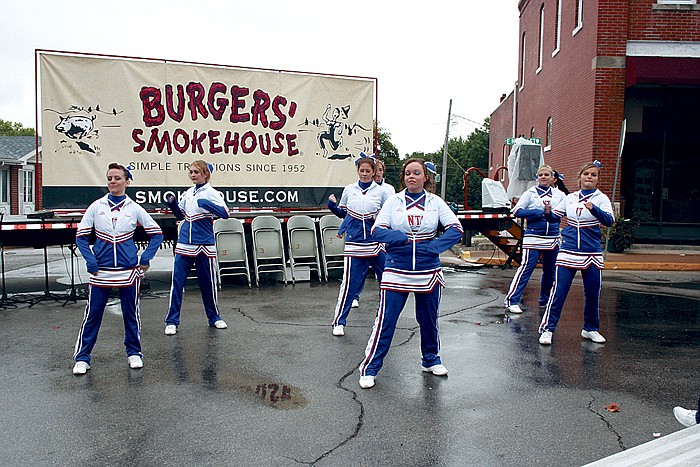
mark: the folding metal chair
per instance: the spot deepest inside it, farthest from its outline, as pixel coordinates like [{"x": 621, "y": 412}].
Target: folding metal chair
[
  {"x": 268, "y": 245},
  {"x": 303, "y": 246},
  {"x": 231, "y": 250},
  {"x": 332, "y": 247}
]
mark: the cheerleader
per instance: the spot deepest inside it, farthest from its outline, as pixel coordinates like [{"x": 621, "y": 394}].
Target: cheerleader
[
  {"x": 541, "y": 239},
  {"x": 195, "y": 245},
  {"x": 407, "y": 225},
  {"x": 585, "y": 211},
  {"x": 359, "y": 206},
  {"x": 381, "y": 181},
  {"x": 113, "y": 262}
]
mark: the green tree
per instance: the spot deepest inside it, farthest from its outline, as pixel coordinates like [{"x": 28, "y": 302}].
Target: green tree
[
  {"x": 390, "y": 156},
  {"x": 8, "y": 128},
  {"x": 463, "y": 154}
]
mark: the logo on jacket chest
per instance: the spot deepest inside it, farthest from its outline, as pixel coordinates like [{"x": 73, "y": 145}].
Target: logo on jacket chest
[{"x": 414, "y": 220}]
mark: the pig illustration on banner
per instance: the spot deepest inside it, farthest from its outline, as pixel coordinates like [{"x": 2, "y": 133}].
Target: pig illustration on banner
[{"x": 75, "y": 126}]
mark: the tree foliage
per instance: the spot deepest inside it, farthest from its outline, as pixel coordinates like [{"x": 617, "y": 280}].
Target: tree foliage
[
  {"x": 390, "y": 156},
  {"x": 8, "y": 128},
  {"x": 462, "y": 154}
]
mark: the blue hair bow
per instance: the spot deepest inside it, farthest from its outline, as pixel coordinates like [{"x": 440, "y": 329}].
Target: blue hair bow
[
  {"x": 210, "y": 166},
  {"x": 128, "y": 172},
  {"x": 365, "y": 156},
  {"x": 431, "y": 167},
  {"x": 597, "y": 164},
  {"x": 558, "y": 175}
]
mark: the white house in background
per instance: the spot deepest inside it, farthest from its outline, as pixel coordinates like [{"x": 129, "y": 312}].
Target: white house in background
[{"x": 17, "y": 174}]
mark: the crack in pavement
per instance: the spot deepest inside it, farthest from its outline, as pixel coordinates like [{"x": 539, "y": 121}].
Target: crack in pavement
[
  {"x": 339, "y": 384},
  {"x": 609, "y": 425}
]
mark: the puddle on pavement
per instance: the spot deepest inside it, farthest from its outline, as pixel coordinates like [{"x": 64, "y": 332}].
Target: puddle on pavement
[
  {"x": 502, "y": 319},
  {"x": 271, "y": 393}
]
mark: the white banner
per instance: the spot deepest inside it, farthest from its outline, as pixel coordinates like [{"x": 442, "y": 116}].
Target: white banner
[{"x": 264, "y": 131}]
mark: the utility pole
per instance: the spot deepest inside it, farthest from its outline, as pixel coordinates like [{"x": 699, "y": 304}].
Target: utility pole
[{"x": 443, "y": 184}]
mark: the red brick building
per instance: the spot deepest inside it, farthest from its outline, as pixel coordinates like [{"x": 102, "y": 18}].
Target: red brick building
[{"x": 587, "y": 65}]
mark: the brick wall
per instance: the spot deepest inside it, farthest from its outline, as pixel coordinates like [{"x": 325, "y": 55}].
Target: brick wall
[
  {"x": 582, "y": 87},
  {"x": 648, "y": 22},
  {"x": 501, "y": 128}
]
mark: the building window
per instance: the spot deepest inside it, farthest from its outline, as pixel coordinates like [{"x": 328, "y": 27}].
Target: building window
[
  {"x": 5, "y": 186},
  {"x": 27, "y": 186},
  {"x": 548, "y": 136},
  {"x": 557, "y": 28},
  {"x": 532, "y": 132},
  {"x": 540, "y": 48},
  {"x": 687, "y": 2},
  {"x": 522, "y": 62},
  {"x": 579, "y": 17}
]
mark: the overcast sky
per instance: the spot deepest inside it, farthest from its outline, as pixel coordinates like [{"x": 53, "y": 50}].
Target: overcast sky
[{"x": 422, "y": 53}]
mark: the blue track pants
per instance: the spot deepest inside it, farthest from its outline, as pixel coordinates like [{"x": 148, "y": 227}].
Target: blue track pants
[
  {"x": 92, "y": 319},
  {"x": 354, "y": 275},
  {"x": 524, "y": 272},
  {"x": 206, "y": 277},
  {"x": 592, "y": 278},
  {"x": 391, "y": 304}
]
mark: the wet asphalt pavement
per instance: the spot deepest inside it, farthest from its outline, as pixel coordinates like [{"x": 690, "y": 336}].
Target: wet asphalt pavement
[{"x": 276, "y": 388}]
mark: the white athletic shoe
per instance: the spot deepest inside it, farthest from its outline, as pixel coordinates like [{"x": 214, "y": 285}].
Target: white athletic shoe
[
  {"x": 684, "y": 416},
  {"x": 170, "y": 330},
  {"x": 546, "y": 338},
  {"x": 515, "y": 309},
  {"x": 135, "y": 362},
  {"x": 366, "y": 382},
  {"x": 339, "y": 330},
  {"x": 220, "y": 324},
  {"x": 80, "y": 368},
  {"x": 437, "y": 370},
  {"x": 355, "y": 303},
  {"x": 593, "y": 335}
]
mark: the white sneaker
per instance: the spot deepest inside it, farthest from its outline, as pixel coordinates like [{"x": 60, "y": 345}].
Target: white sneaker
[
  {"x": 366, "y": 382},
  {"x": 593, "y": 335},
  {"x": 220, "y": 324},
  {"x": 515, "y": 309},
  {"x": 170, "y": 330},
  {"x": 339, "y": 330},
  {"x": 135, "y": 362},
  {"x": 684, "y": 416},
  {"x": 355, "y": 304},
  {"x": 80, "y": 368},
  {"x": 437, "y": 370},
  {"x": 546, "y": 338}
]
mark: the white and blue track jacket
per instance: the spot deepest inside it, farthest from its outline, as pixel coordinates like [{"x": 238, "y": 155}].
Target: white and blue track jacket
[
  {"x": 581, "y": 238},
  {"x": 413, "y": 248},
  {"x": 359, "y": 207},
  {"x": 114, "y": 248},
  {"x": 197, "y": 207},
  {"x": 541, "y": 233}
]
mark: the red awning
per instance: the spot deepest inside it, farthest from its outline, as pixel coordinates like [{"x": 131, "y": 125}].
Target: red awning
[{"x": 663, "y": 70}]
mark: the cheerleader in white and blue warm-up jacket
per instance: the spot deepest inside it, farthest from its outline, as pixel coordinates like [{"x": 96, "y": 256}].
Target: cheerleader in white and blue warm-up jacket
[
  {"x": 113, "y": 262},
  {"x": 408, "y": 225},
  {"x": 585, "y": 211},
  {"x": 196, "y": 245},
  {"x": 541, "y": 239},
  {"x": 358, "y": 206}
]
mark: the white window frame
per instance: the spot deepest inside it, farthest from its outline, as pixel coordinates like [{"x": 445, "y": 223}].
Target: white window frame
[
  {"x": 540, "y": 52},
  {"x": 557, "y": 43},
  {"x": 579, "y": 17},
  {"x": 685, "y": 2},
  {"x": 5, "y": 186},
  {"x": 28, "y": 190},
  {"x": 548, "y": 135},
  {"x": 522, "y": 62}
]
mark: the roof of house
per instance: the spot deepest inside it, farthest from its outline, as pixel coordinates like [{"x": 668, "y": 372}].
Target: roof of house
[{"x": 16, "y": 148}]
